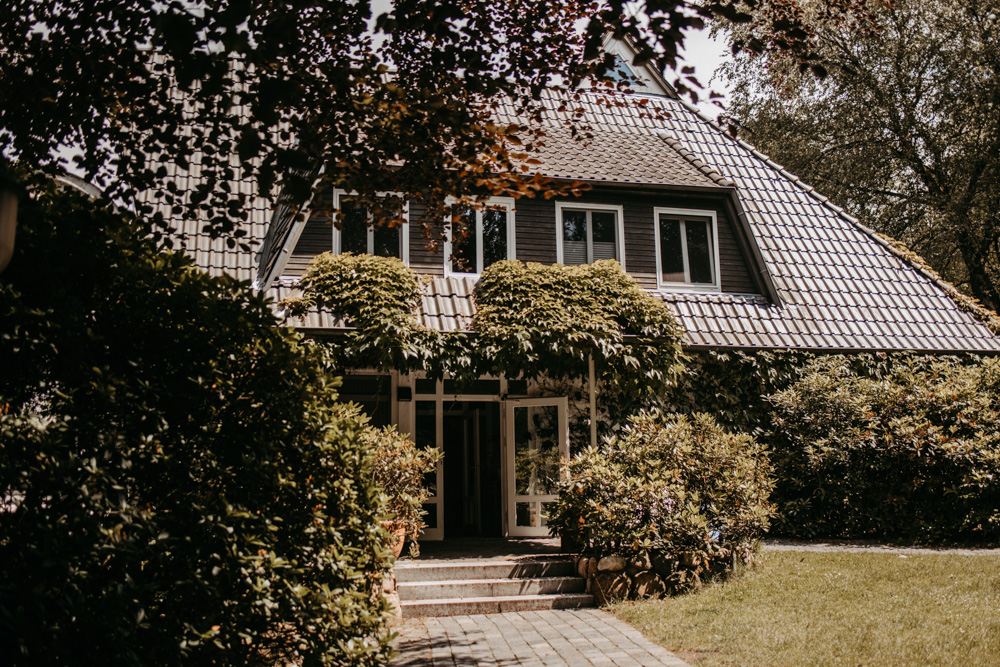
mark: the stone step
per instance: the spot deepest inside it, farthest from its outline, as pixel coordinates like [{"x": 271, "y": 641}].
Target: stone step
[
  {"x": 408, "y": 572},
  {"x": 481, "y": 588},
  {"x": 494, "y": 605}
]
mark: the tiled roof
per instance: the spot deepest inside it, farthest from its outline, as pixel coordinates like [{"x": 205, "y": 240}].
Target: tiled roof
[
  {"x": 214, "y": 255},
  {"x": 616, "y": 156},
  {"x": 839, "y": 285}
]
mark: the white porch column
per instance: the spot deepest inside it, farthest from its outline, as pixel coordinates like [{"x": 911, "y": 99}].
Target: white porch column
[{"x": 593, "y": 403}]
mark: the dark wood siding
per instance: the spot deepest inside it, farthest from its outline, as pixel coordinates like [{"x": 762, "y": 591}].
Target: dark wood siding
[
  {"x": 317, "y": 237},
  {"x": 535, "y": 230},
  {"x": 640, "y": 240},
  {"x": 425, "y": 260}
]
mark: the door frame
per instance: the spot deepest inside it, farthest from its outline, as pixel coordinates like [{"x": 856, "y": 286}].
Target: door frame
[
  {"x": 511, "y": 498},
  {"x": 439, "y": 398}
]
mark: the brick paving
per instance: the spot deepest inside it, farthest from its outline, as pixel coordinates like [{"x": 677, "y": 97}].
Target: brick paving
[{"x": 571, "y": 637}]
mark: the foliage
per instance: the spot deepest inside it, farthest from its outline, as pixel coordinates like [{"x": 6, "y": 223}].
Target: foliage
[
  {"x": 531, "y": 320},
  {"x": 904, "y": 132},
  {"x": 379, "y": 297},
  {"x": 401, "y": 470},
  {"x": 177, "y": 484},
  {"x": 733, "y": 385},
  {"x": 673, "y": 487},
  {"x": 912, "y": 455},
  {"x": 309, "y": 82},
  {"x": 540, "y": 320}
]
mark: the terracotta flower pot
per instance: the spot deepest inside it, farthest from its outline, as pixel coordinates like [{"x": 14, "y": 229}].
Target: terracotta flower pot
[{"x": 398, "y": 534}]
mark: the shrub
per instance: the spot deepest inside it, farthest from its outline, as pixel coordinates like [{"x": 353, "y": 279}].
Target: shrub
[
  {"x": 177, "y": 487},
  {"x": 913, "y": 453},
  {"x": 679, "y": 490},
  {"x": 401, "y": 471}
]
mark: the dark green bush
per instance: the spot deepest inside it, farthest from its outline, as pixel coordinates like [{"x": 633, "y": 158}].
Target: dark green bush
[
  {"x": 673, "y": 488},
  {"x": 912, "y": 454},
  {"x": 177, "y": 486}
]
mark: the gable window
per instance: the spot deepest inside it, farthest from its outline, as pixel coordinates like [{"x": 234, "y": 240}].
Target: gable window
[
  {"x": 687, "y": 251},
  {"x": 586, "y": 233},
  {"x": 489, "y": 237},
  {"x": 360, "y": 235}
]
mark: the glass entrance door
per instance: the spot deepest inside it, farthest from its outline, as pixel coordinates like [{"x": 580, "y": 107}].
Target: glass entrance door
[{"x": 537, "y": 438}]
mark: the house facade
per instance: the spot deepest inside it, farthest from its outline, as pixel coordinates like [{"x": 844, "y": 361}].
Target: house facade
[{"x": 746, "y": 255}]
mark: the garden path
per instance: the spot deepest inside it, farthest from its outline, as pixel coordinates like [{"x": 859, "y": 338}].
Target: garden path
[{"x": 568, "y": 637}]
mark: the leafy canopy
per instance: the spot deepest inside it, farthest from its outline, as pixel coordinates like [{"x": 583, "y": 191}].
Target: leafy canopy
[
  {"x": 904, "y": 133},
  {"x": 285, "y": 93},
  {"x": 681, "y": 490}
]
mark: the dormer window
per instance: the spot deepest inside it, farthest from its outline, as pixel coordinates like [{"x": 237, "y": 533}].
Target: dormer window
[
  {"x": 687, "y": 251},
  {"x": 586, "y": 233},
  {"x": 359, "y": 234},
  {"x": 489, "y": 237}
]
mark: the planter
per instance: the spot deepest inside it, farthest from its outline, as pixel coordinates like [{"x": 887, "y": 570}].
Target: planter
[{"x": 398, "y": 535}]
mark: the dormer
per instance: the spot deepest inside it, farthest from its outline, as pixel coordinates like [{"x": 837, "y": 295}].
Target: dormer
[{"x": 647, "y": 79}]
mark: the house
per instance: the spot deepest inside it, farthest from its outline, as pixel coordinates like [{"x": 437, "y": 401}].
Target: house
[{"x": 746, "y": 255}]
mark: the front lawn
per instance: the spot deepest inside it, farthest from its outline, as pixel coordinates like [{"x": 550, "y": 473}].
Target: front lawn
[{"x": 809, "y": 608}]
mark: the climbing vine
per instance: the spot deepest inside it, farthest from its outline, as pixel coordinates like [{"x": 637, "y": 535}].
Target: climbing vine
[
  {"x": 531, "y": 321},
  {"x": 378, "y": 301},
  {"x": 540, "y": 320}
]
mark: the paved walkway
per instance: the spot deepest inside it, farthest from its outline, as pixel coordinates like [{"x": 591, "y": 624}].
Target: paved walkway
[{"x": 569, "y": 637}]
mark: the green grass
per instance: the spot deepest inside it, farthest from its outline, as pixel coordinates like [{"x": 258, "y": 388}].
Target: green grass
[{"x": 809, "y": 608}]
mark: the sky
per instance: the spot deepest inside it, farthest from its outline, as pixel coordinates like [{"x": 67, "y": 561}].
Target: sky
[{"x": 706, "y": 53}]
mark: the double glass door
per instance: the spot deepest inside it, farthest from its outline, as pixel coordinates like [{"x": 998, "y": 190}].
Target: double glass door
[
  {"x": 501, "y": 463},
  {"x": 536, "y": 441}
]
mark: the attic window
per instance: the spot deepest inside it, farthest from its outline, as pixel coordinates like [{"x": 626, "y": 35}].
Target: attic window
[
  {"x": 587, "y": 233},
  {"x": 489, "y": 237},
  {"x": 359, "y": 234},
  {"x": 687, "y": 253},
  {"x": 621, "y": 71}
]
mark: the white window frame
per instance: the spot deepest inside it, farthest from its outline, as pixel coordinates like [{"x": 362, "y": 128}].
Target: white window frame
[
  {"x": 619, "y": 211},
  {"x": 687, "y": 285},
  {"x": 505, "y": 203},
  {"x": 404, "y": 229}
]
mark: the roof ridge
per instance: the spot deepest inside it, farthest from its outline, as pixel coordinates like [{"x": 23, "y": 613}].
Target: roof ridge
[
  {"x": 696, "y": 161},
  {"x": 897, "y": 248}
]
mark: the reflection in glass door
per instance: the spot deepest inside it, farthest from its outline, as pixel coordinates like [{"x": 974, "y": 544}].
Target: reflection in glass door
[
  {"x": 427, "y": 434},
  {"x": 537, "y": 440}
]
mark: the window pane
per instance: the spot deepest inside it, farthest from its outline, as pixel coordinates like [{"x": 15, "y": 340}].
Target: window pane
[
  {"x": 574, "y": 237},
  {"x": 699, "y": 253},
  {"x": 604, "y": 226},
  {"x": 353, "y": 228},
  {"x": 463, "y": 250},
  {"x": 575, "y": 226},
  {"x": 671, "y": 257},
  {"x": 425, "y": 437},
  {"x": 494, "y": 236},
  {"x": 536, "y": 449},
  {"x": 387, "y": 241}
]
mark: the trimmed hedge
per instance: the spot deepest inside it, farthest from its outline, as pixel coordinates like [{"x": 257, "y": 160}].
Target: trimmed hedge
[
  {"x": 912, "y": 453},
  {"x": 679, "y": 491}
]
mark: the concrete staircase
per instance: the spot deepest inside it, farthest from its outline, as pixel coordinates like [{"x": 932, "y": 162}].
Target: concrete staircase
[{"x": 470, "y": 586}]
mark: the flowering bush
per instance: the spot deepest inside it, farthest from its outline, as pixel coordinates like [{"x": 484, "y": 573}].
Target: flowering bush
[{"x": 678, "y": 491}]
